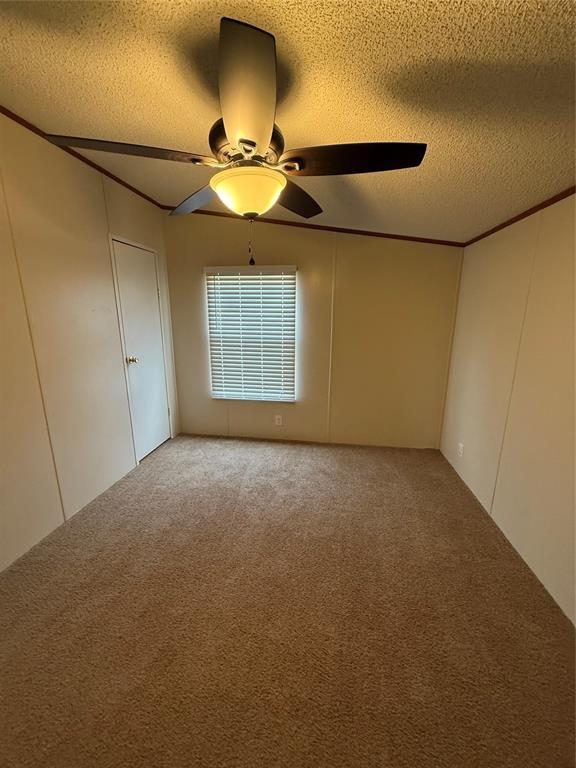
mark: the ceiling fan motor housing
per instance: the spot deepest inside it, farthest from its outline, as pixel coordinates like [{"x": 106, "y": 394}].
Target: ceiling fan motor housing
[{"x": 224, "y": 152}]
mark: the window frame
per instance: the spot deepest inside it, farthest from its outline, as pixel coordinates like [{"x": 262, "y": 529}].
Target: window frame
[{"x": 240, "y": 270}]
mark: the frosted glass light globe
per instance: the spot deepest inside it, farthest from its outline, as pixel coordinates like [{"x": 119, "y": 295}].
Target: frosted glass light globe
[{"x": 248, "y": 190}]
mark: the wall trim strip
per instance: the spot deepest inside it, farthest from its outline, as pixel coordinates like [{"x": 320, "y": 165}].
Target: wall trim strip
[
  {"x": 524, "y": 214},
  {"x": 321, "y": 227},
  {"x": 326, "y": 228},
  {"x": 39, "y": 132}
]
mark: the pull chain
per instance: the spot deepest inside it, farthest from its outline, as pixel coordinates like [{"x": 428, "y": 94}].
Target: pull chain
[{"x": 250, "y": 241}]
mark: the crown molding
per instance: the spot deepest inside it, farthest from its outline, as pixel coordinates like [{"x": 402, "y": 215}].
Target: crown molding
[
  {"x": 39, "y": 132},
  {"x": 302, "y": 225},
  {"x": 523, "y": 215},
  {"x": 326, "y": 228}
]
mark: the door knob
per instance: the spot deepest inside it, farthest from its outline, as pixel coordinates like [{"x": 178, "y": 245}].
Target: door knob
[{"x": 132, "y": 359}]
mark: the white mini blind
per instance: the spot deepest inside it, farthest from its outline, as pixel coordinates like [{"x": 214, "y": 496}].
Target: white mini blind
[{"x": 252, "y": 327}]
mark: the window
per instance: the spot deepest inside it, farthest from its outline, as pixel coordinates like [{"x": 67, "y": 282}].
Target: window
[{"x": 251, "y": 322}]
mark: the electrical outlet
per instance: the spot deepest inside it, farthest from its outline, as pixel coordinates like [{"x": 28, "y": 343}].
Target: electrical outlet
[
  {"x": 278, "y": 420},
  {"x": 460, "y": 449}
]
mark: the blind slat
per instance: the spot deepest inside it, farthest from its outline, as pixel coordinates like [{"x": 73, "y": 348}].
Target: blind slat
[{"x": 251, "y": 323}]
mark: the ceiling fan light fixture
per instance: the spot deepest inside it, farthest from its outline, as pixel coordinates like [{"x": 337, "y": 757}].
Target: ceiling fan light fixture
[{"x": 248, "y": 190}]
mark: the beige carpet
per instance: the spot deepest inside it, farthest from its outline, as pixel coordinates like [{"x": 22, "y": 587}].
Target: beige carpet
[{"x": 257, "y": 605}]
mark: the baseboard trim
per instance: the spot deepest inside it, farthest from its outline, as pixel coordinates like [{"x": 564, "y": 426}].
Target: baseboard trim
[{"x": 288, "y": 441}]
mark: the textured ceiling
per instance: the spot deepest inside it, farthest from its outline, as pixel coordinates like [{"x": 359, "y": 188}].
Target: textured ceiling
[{"x": 489, "y": 84}]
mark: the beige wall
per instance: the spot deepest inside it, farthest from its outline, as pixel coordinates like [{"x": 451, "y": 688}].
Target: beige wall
[
  {"x": 510, "y": 398},
  {"x": 56, "y": 208},
  {"x": 197, "y": 241},
  {"x": 61, "y": 214},
  {"x": 394, "y": 307},
  {"x": 375, "y": 320},
  {"x": 30, "y": 504},
  {"x": 493, "y": 291}
]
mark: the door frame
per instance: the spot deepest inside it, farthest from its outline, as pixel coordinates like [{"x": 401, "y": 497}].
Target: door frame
[{"x": 125, "y": 241}]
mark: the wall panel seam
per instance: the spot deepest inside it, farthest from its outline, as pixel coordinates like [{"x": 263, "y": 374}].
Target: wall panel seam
[
  {"x": 450, "y": 349},
  {"x": 516, "y": 359},
  {"x": 118, "y": 311},
  {"x": 33, "y": 346},
  {"x": 331, "y": 353}
]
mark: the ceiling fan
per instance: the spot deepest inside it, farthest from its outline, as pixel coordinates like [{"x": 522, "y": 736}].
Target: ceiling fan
[{"x": 254, "y": 170}]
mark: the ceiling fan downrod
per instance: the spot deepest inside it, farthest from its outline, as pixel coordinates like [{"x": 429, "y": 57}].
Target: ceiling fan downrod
[{"x": 251, "y": 261}]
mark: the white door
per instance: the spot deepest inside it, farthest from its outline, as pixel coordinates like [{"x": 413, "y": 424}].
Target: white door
[{"x": 143, "y": 348}]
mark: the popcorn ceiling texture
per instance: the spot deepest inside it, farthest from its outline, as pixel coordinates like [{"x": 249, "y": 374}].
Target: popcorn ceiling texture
[
  {"x": 489, "y": 84},
  {"x": 243, "y": 604}
]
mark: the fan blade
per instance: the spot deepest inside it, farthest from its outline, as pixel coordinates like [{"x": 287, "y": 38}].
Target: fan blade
[
  {"x": 295, "y": 199},
  {"x": 198, "y": 199},
  {"x": 137, "y": 150},
  {"x": 247, "y": 84},
  {"x": 340, "y": 159}
]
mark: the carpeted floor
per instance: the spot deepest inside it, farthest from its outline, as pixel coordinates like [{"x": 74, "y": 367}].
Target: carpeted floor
[{"x": 260, "y": 605}]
